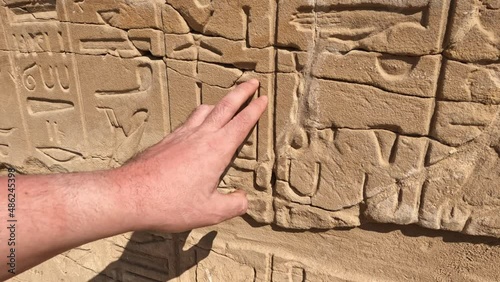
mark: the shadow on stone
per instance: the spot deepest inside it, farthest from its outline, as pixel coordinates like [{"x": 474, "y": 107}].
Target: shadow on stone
[
  {"x": 418, "y": 231},
  {"x": 156, "y": 257},
  {"x": 407, "y": 230}
]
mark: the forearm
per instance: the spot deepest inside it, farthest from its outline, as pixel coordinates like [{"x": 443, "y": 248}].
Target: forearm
[
  {"x": 55, "y": 213},
  {"x": 170, "y": 187}
]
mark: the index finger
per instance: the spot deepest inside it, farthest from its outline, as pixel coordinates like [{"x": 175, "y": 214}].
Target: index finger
[
  {"x": 225, "y": 110},
  {"x": 237, "y": 130}
]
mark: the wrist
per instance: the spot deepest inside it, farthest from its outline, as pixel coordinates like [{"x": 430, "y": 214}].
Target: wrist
[
  {"x": 127, "y": 196},
  {"x": 97, "y": 200}
]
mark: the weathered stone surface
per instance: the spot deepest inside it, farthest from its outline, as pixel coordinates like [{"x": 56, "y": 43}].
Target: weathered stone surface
[
  {"x": 126, "y": 112},
  {"x": 459, "y": 122},
  {"x": 14, "y": 144},
  {"x": 379, "y": 111},
  {"x": 416, "y": 76},
  {"x": 396, "y": 27},
  {"x": 241, "y": 252},
  {"x": 345, "y": 105},
  {"x": 117, "y": 13},
  {"x": 148, "y": 40},
  {"x": 252, "y": 21},
  {"x": 475, "y": 31},
  {"x": 471, "y": 83}
]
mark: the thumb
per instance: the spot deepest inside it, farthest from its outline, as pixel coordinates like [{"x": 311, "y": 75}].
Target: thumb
[{"x": 230, "y": 205}]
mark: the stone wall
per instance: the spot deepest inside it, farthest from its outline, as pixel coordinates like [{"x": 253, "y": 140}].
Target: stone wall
[{"x": 381, "y": 113}]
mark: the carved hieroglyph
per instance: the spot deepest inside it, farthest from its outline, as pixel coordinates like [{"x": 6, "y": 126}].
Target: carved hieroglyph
[{"x": 379, "y": 110}]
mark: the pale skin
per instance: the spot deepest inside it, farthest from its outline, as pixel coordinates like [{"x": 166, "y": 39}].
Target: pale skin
[{"x": 170, "y": 187}]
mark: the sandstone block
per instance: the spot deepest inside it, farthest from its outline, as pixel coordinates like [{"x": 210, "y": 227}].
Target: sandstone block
[
  {"x": 252, "y": 21},
  {"x": 402, "y": 27},
  {"x": 361, "y": 107},
  {"x": 475, "y": 31},
  {"x": 471, "y": 83},
  {"x": 416, "y": 76}
]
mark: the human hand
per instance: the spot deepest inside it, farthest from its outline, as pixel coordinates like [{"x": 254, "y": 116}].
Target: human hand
[{"x": 173, "y": 185}]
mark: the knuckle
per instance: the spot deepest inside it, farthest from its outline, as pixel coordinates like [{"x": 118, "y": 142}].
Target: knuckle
[
  {"x": 217, "y": 218},
  {"x": 202, "y": 108},
  {"x": 245, "y": 121},
  {"x": 214, "y": 118},
  {"x": 225, "y": 105}
]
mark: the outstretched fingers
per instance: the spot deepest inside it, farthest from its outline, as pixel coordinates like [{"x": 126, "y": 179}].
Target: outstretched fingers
[
  {"x": 198, "y": 116},
  {"x": 237, "y": 130},
  {"x": 225, "y": 110}
]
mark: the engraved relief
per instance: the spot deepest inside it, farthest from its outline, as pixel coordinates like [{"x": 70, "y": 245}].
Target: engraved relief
[
  {"x": 343, "y": 105},
  {"x": 475, "y": 31},
  {"x": 148, "y": 40},
  {"x": 201, "y": 256},
  {"x": 251, "y": 263},
  {"x": 101, "y": 40},
  {"x": 255, "y": 23},
  {"x": 459, "y": 122},
  {"x": 416, "y": 76},
  {"x": 38, "y": 37},
  {"x": 34, "y": 26},
  {"x": 58, "y": 154},
  {"x": 219, "y": 50},
  {"x": 4, "y": 141},
  {"x": 471, "y": 83},
  {"x": 382, "y": 26},
  {"x": 120, "y": 14},
  {"x": 27, "y": 10},
  {"x": 362, "y": 130},
  {"x": 382, "y": 111},
  {"x": 13, "y": 140},
  {"x": 38, "y": 78},
  {"x": 50, "y": 98},
  {"x": 124, "y": 108}
]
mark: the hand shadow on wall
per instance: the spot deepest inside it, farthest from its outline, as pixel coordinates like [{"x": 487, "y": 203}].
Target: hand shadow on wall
[{"x": 156, "y": 257}]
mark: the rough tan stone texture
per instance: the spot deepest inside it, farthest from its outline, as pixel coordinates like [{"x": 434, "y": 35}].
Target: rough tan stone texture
[
  {"x": 475, "y": 31},
  {"x": 381, "y": 114},
  {"x": 236, "y": 251}
]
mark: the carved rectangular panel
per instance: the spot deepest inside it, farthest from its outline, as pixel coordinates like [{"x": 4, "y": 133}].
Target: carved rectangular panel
[
  {"x": 254, "y": 23},
  {"x": 125, "y": 108},
  {"x": 49, "y": 96},
  {"x": 471, "y": 83},
  {"x": 396, "y": 27},
  {"x": 33, "y": 35},
  {"x": 30, "y": 11},
  {"x": 120, "y": 14},
  {"x": 414, "y": 76},
  {"x": 101, "y": 40}
]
